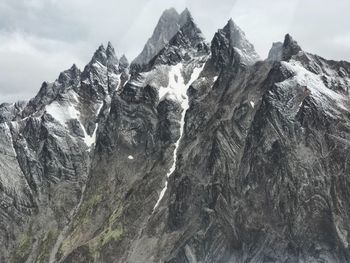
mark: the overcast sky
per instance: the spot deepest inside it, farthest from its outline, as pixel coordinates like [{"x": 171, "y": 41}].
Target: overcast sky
[{"x": 40, "y": 38}]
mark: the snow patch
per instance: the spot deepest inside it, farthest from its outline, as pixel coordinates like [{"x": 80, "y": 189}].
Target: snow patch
[
  {"x": 176, "y": 89},
  {"x": 64, "y": 111},
  {"x": 130, "y": 157},
  {"x": 247, "y": 57},
  {"x": 252, "y": 104},
  {"x": 89, "y": 140},
  {"x": 313, "y": 82},
  {"x": 119, "y": 80}
]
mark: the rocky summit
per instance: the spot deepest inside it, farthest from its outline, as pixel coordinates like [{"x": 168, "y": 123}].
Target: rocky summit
[{"x": 194, "y": 152}]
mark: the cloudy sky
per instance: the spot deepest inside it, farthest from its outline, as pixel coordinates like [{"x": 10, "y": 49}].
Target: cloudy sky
[{"x": 40, "y": 38}]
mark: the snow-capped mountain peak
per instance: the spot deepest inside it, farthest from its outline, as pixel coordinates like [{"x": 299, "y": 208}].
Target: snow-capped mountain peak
[
  {"x": 230, "y": 45},
  {"x": 168, "y": 25},
  {"x": 199, "y": 153}
]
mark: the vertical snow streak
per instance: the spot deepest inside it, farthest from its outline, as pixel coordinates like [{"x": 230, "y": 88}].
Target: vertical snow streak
[
  {"x": 91, "y": 140},
  {"x": 173, "y": 75}
]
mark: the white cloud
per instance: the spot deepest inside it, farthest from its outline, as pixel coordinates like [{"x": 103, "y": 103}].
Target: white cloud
[
  {"x": 26, "y": 61},
  {"x": 40, "y": 38},
  {"x": 341, "y": 41}
]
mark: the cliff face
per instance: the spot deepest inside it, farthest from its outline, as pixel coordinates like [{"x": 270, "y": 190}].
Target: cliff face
[
  {"x": 167, "y": 27},
  {"x": 203, "y": 154}
]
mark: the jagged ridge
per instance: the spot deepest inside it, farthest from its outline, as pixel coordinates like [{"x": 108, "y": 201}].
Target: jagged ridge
[{"x": 253, "y": 154}]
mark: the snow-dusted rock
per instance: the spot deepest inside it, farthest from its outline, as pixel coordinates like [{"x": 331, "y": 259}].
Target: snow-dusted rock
[{"x": 198, "y": 153}]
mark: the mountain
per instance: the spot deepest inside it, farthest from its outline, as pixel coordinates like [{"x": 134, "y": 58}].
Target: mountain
[
  {"x": 168, "y": 25},
  {"x": 202, "y": 152},
  {"x": 230, "y": 47}
]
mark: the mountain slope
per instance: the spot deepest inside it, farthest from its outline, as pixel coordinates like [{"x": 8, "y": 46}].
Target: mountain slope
[
  {"x": 202, "y": 153},
  {"x": 47, "y": 148}
]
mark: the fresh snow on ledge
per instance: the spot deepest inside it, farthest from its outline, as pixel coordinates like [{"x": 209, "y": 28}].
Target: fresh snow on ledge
[{"x": 313, "y": 82}]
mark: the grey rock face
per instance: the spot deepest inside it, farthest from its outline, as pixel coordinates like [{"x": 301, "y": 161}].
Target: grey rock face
[
  {"x": 230, "y": 45},
  {"x": 284, "y": 51},
  {"x": 205, "y": 154},
  {"x": 123, "y": 63},
  {"x": 168, "y": 25},
  {"x": 186, "y": 42},
  {"x": 10, "y": 111},
  {"x": 275, "y": 53}
]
